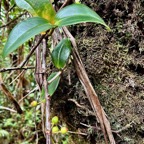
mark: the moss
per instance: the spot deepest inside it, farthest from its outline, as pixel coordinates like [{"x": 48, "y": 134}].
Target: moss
[{"x": 114, "y": 63}]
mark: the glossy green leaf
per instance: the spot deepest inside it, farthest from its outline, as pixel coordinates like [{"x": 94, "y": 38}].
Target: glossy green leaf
[
  {"x": 61, "y": 53},
  {"x": 24, "y": 31},
  {"x": 42, "y": 8},
  {"x": 77, "y": 13},
  {"x": 25, "y": 5},
  {"x": 54, "y": 84}
]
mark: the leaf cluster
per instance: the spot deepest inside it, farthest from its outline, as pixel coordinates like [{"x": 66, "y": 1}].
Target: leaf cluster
[{"x": 46, "y": 18}]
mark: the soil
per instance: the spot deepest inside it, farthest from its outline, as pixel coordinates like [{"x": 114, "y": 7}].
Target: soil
[{"x": 114, "y": 62}]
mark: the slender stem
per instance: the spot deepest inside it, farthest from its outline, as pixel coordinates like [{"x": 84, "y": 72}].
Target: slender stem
[
  {"x": 16, "y": 68},
  {"x": 34, "y": 48},
  {"x": 6, "y": 108},
  {"x": 32, "y": 51},
  {"x": 36, "y": 88},
  {"x": 33, "y": 90},
  {"x": 47, "y": 96},
  {"x": 12, "y": 20}
]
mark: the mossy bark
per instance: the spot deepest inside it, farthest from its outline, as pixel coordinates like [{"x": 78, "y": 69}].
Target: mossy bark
[{"x": 114, "y": 62}]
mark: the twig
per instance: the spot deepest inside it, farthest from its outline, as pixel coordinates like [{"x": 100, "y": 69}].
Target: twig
[
  {"x": 34, "y": 48},
  {"x": 65, "y": 3},
  {"x": 79, "y": 133},
  {"x": 12, "y": 8},
  {"x": 37, "y": 88},
  {"x": 32, "y": 51},
  {"x": 9, "y": 109},
  {"x": 125, "y": 127},
  {"x": 89, "y": 126},
  {"x": 16, "y": 68},
  {"x": 17, "y": 77},
  {"x": 86, "y": 125},
  {"x": 33, "y": 90},
  {"x": 83, "y": 107},
  {"x": 35, "y": 125},
  {"x": 12, "y": 20}
]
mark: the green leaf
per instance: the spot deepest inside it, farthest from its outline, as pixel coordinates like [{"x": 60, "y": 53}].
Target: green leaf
[
  {"x": 24, "y": 31},
  {"x": 9, "y": 122},
  {"x": 54, "y": 84},
  {"x": 41, "y": 8},
  {"x": 24, "y": 5},
  {"x": 77, "y": 13},
  {"x": 61, "y": 53},
  {"x": 4, "y": 133}
]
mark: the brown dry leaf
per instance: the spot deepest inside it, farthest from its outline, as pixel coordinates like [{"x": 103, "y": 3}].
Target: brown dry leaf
[{"x": 9, "y": 95}]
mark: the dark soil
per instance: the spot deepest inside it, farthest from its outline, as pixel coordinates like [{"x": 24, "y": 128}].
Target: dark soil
[{"x": 114, "y": 62}]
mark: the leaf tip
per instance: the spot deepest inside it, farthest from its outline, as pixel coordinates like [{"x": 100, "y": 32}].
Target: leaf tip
[
  {"x": 77, "y": 2},
  {"x": 108, "y": 29},
  {"x": 5, "y": 51},
  {"x": 4, "y": 54}
]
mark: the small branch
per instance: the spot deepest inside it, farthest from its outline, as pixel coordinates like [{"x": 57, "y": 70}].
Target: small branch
[
  {"x": 16, "y": 68},
  {"x": 34, "y": 48},
  {"x": 17, "y": 77},
  {"x": 79, "y": 133},
  {"x": 35, "y": 124},
  {"x": 12, "y": 20},
  {"x": 37, "y": 88},
  {"x": 82, "y": 107},
  {"x": 125, "y": 127},
  {"x": 89, "y": 126},
  {"x": 32, "y": 51},
  {"x": 12, "y": 8},
  {"x": 33, "y": 90},
  {"x": 9, "y": 109},
  {"x": 65, "y": 3}
]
